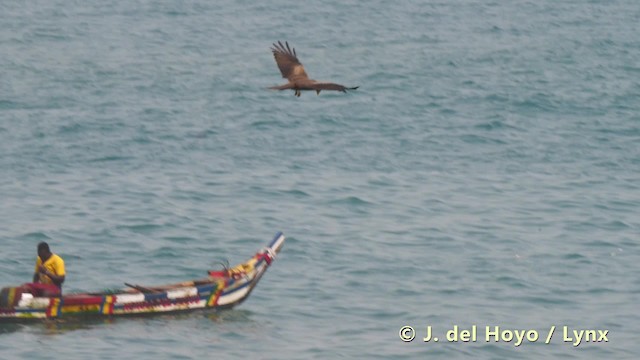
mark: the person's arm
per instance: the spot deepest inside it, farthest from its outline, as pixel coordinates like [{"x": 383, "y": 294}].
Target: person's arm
[
  {"x": 36, "y": 271},
  {"x": 58, "y": 280}
]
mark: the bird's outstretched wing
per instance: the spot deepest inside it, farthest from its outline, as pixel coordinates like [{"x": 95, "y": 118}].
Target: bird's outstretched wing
[
  {"x": 331, "y": 86},
  {"x": 288, "y": 62}
]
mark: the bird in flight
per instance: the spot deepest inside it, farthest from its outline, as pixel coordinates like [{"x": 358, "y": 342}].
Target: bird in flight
[{"x": 292, "y": 70}]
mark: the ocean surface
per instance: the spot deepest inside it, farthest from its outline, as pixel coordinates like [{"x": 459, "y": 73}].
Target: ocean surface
[{"x": 486, "y": 172}]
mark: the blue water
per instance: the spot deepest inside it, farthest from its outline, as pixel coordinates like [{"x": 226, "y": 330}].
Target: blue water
[{"x": 487, "y": 172}]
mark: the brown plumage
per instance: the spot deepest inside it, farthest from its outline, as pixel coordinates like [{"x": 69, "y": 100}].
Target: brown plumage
[{"x": 292, "y": 70}]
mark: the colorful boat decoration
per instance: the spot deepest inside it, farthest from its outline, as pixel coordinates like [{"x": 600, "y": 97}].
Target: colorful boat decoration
[{"x": 222, "y": 289}]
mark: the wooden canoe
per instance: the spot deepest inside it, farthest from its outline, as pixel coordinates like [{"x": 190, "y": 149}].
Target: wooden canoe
[{"x": 221, "y": 289}]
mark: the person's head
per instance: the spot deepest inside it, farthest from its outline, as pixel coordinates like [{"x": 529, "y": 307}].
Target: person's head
[{"x": 43, "y": 250}]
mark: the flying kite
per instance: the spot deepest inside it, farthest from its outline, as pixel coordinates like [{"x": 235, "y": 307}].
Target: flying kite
[{"x": 292, "y": 70}]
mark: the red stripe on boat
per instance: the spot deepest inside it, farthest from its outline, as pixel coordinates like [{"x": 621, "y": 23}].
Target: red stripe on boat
[{"x": 83, "y": 300}]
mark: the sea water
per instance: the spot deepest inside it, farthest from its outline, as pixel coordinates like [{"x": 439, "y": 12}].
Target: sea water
[{"x": 483, "y": 182}]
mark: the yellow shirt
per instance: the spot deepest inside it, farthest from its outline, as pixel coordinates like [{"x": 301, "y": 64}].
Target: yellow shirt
[{"x": 54, "y": 264}]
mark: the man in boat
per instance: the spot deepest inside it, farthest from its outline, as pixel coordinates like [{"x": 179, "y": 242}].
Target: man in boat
[{"x": 49, "y": 273}]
